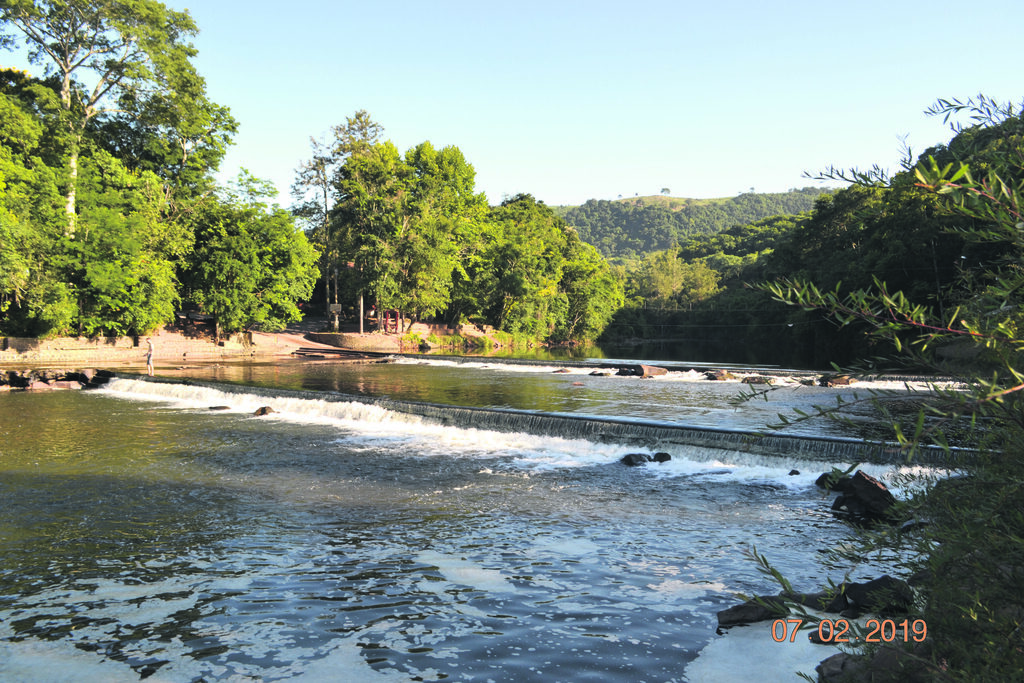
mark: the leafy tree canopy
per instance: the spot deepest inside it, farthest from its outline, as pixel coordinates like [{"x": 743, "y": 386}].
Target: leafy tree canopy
[
  {"x": 123, "y": 74},
  {"x": 251, "y": 264}
]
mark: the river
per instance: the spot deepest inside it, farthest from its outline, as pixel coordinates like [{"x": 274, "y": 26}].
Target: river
[{"x": 344, "y": 538}]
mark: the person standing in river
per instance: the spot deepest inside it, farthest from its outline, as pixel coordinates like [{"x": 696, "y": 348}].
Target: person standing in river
[{"x": 149, "y": 356}]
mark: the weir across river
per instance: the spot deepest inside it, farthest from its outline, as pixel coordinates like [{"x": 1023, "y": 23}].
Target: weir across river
[{"x": 638, "y": 432}]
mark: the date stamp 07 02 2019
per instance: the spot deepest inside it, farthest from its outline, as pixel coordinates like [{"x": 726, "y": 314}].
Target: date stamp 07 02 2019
[{"x": 838, "y": 631}]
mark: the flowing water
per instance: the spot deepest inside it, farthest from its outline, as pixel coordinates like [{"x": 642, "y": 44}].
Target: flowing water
[{"x": 145, "y": 536}]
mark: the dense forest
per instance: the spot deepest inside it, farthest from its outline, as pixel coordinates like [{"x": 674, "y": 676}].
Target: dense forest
[
  {"x": 410, "y": 232},
  {"x": 630, "y": 228},
  {"x": 890, "y": 230},
  {"x": 111, "y": 222}
]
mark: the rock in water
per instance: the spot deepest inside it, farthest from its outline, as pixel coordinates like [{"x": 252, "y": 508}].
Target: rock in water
[
  {"x": 766, "y": 607},
  {"x": 719, "y": 375},
  {"x": 863, "y": 499},
  {"x": 884, "y": 595},
  {"x": 635, "y": 459}
]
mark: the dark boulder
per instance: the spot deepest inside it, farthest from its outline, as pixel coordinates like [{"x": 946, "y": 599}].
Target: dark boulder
[
  {"x": 265, "y": 410},
  {"x": 21, "y": 379},
  {"x": 101, "y": 377},
  {"x": 635, "y": 459},
  {"x": 661, "y": 457},
  {"x": 885, "y": 596},
  {"x": 719, "y": 375},
  {"x": 864, "y": 499},
  {"x": 825, "y": 601},
  {"x": 841, "y": 666},
  {"x": 640, "y": 371},
  {"x": 873, "y": 492},
  {"x": 752, "y": 611},
  {"x": 887, "y": 664}
]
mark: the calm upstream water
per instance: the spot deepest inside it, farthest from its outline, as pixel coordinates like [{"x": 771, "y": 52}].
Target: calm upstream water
[{"x": 145, "y": 536}]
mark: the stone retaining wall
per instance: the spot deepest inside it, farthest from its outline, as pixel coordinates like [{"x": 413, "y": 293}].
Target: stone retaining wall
[{"x": 390, "y": 343}]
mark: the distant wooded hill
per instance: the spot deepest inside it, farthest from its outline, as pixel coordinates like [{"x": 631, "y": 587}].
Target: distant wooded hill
[{"x": 629, "y": 228}]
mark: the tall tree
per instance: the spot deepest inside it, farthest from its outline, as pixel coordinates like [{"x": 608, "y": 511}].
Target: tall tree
[
  {"x": 374, "y": 215},
  {"x": 426, "y": 242},
  {"x": 447, "y": 213},
  {"x": 316, "y": 186},
  {"x": 108, "y": 56}
]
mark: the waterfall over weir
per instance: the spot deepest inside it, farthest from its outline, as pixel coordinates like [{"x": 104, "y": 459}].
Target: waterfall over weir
[{"x": 605, "y": 430}]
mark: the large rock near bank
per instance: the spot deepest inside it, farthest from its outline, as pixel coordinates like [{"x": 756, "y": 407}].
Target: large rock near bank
[
  {"x": 765, "y": 607},
  {"x": 886, "y": 665},
  {"x": 45, "y": 379},
  {"x": 863, "y": 499},
  {"x": 885, "y": 596}
]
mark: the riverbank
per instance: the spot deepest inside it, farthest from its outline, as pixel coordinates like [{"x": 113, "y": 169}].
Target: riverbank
[
  {"x": 174, "y": 347},
  {"x": 171, "y": 348}
]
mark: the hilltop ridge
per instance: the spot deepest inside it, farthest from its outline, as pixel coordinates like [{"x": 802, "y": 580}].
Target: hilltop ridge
[{"x": 629, "y": 227}]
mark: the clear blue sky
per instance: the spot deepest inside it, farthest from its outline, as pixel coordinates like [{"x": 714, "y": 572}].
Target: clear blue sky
[{"x": 575, "y": 100}]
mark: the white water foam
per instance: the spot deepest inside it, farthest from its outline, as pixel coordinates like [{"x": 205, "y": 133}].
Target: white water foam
[
  {"x": 56, "y": 662},
  {"x": 749, "y": 652},
  {"x": 371, "y": 426},
  {"x": 461, "y": 572},
  {"x": 63, "y": 661}
]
